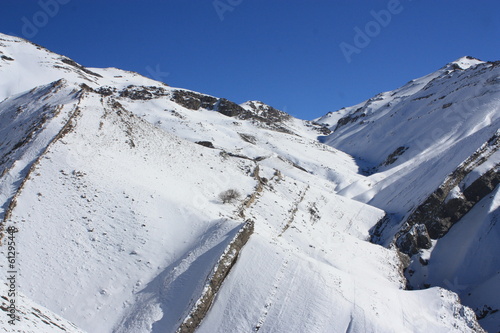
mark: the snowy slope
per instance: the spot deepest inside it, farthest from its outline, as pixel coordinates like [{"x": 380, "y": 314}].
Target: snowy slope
[
  {"x": 25, "y": 65},
  {"x": 410, "y": 139},
  {"x": 32, "y": 318},
  {"x": 29, "y": 123},
  {"x": 320, "y": 275},
  {"x": 113, "y": 180},
  {"x": 123, "y": 224},
  {"x": 462, "y": 262},
  {"x": 430, "y": 150}
]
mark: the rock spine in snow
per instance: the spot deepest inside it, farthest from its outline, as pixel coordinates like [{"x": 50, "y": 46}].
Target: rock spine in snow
[{"x": 217, "y": 277}]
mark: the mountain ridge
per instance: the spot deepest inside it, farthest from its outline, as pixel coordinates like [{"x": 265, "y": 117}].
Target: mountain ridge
[{"x": 120, "y": 174}]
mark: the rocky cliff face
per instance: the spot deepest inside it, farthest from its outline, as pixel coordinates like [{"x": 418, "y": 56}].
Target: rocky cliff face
[{"x": 454, "y": 198}]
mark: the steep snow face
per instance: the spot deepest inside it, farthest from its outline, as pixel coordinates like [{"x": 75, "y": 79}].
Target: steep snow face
[
  {"x": 24, "y": 65},
  {"x": 437, "y": 136},
  {"x": 389, "y": 98},
  {"x": 410, "y": 139},
  {"x": 113, "y": 182}
]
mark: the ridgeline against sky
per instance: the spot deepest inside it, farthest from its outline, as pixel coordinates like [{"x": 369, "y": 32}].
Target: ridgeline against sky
[{"x": 304, "y": 57}]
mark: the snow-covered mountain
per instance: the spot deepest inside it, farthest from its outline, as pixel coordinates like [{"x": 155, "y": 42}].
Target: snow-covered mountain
[
  {"x": 430, "y": 152},
  {"x": 113, "y": 182}
]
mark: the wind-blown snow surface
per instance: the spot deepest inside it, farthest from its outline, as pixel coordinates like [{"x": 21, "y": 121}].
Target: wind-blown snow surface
[{"x": 120, "y": 224}]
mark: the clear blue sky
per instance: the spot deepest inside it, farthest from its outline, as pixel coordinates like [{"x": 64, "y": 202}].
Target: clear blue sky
[{"x": 285, "y": 53}]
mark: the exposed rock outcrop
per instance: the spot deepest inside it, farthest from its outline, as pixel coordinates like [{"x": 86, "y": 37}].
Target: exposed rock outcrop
[
  {"x": 219, "y": 273},
  {"x": 450, "y": 212},
  {"x": 73, "y": 63},
  {"x": 394, "y": 155},
  {"x": 207, "y": 144},
  {"x": 267, "y": 112},
  {"x": 414, "y": 239},
  {"x": 350, "y": 118},
  {"x": 142, "y": 92},
  {"x": 438, "y": 213}
]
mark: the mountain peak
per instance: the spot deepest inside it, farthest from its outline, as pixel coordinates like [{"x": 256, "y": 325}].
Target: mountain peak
[
  {"x": 465, "y": 62},
  {"x": 263, "y": 109}
]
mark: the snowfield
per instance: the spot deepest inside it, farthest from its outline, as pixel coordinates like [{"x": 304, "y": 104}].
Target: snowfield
[{"x": 113, "y": 181}]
